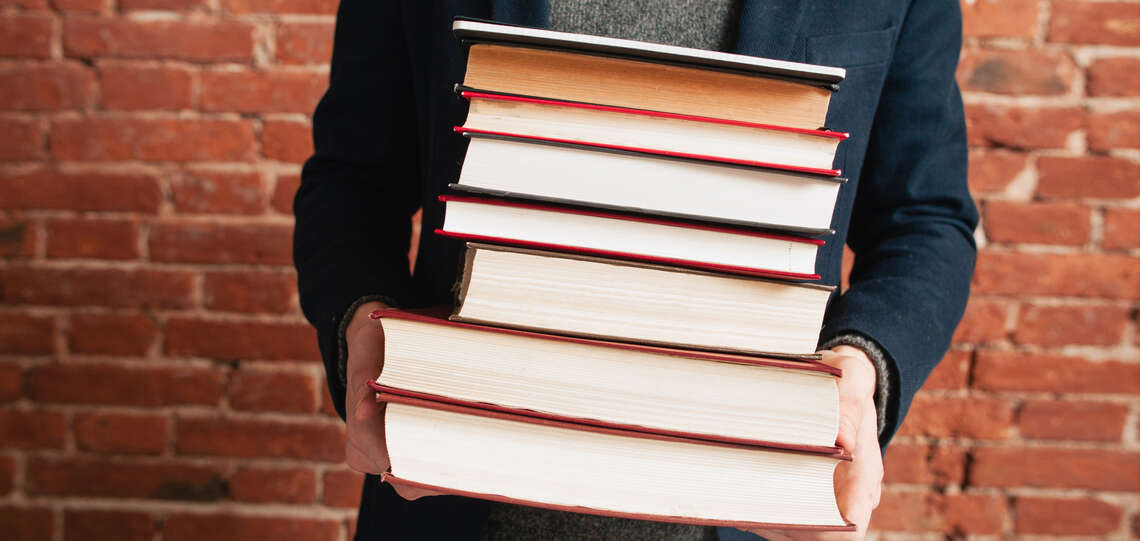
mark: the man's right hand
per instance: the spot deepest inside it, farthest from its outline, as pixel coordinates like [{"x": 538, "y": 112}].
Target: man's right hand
[{"x": 365, "y": 450}]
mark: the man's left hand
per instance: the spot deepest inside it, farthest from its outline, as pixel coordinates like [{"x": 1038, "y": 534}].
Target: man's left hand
[{"x": 858, "y": 482}]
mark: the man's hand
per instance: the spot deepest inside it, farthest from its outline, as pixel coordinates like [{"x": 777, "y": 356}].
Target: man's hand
[
  {"x": 365, "y": 450},
  {"x": 858, "y": 482}
]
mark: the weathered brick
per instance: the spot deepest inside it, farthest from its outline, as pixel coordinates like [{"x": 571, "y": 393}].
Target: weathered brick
[
  {"x": 100, "y": 525},
  {"x": 1021, "y": 127},
  {"x": 1071, "y": 420},
  {"x": 251, "y": 291},
  {"x": 1068, "y": 516},
  {"x": 1002, "y": 18},
  {"x": 27, "y": 523},
  {"x": 1113, "y": 77},
  {"x": 204, "y": 242},
  {"x": 952, "y": 373},
  {"x": 924, "y": 464},
  {"x": 132, "y": 87},
  {"x": 265, "y": 390},
  {"x": 25, "y": 35},
  {"x": 32, "y": 429},
  {"x": 1088, "y": 177},
  {"x": 1040, "y": 223},
  {"x": 11, "y": 382},
  {"x": 224, "y": 527},
  {"x": 287, "y": 485},
  {"x": 113, "y": 288},
  {"x": 162, "y": 4},
  {"x": 223, "y": 339},
  {"x": 304, "y": 43},
  {"x": 983, "y": 322},
  {"x": 127, "y": 386},
  {"x": 92, "y": 238},
  {"x": 931, "y": 512},
  {"x": 1108, "y": 131},
  {"x": 121, "y": 433},
  {"x": 20, "y": 139},
  {"x": 46, "y": 87},
  {"x": 110, "y": 478},
  {"x": 216, "y": 192},
  {"x": 18, "y": 237},
  {"x": 283, "y": 194},
  {"x": 7, "y": 475},
  {"x": 1121, "y": 228},
  {"x": 1077, "y": 275},
  {"x": 1107, "y": 23},
  {"x": 342, "y": 488},
  {"x": 991, "y": 172},
  {"x": 89, "y": 6},
  {"x": 204, "y": 41},
  {"x": 22, "y": 334},
  {"x": 59, "y": 190},
  {"x": 1017, "y": 72},
  {"x": 952, "y": 417},
  {"x": 1013, "y": 371},
  {"x": 255, "y": 438},
  {"x": 287, "y": 141},
  {"x": 316, "y": 7},
  {"x": 168, "y": 139},
  {"x": 112, "y": 334},
  {"x": 262, "y": 91},
  {"x": 1055, "y": 326},
  {"x": 1099, "y": 469}
]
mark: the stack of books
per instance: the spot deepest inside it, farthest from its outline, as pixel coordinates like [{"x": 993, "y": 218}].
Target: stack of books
[{"x": 633, "y": 334}]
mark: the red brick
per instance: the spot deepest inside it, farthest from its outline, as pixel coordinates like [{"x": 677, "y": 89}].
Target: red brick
[
  {"x": 1021, "y": 127},
  {"x": 31, "y": 429},
  {"x": 201, "y": 242},
  {"x": 219, "y": 192},
  {"x": 92, "y": 6},
  {"x": 924, "y": 464},
  {"x": 262, "y": 91},
  {"x": 124, "y": 335},
  {"x": 1113, "y": 77},
  {"x": 991, "y": 172},
  {"x": 96, "y": 287},
  {"x": 213, "y": 527},
  {"x": 952, "y": 373},
  {"x": 26, "y": 4},
  {"x": 46, "y": 87},
  {"x": 187, "y": 337},
  {"x": 1107, "y": 23},
  {"x": 22, "y": 334},
  {"x": 27, "y": 523},
  {"x": 1121, "y": 228},
  {"x": 1069, "y": 420},
  {"x": 264, "y": 390},
  {"x": 1077, "y": 275},
  {"x": 1040, "y": 223},
  {"x": 1004, "y": 18},
  {"x": 7, "y": 475},
  {"x": 283, "y": 194},
  {"x": 25, "y": 35},
  {"x": 288, "y": 485},
  {"x": 99, "y": 525},
  {"x": 1097, "y": 469},
  {"x": 929, "y": 512},
  {"x": 327, "y": 406},
  {"x": 1012, "y": 371},
  {"x": 1055, "y": 516},
  {"x": 108, "y": 478},
  {"x": 1088, "y": 177},
  {"x": 269, "y": 439},
  {"x": 1017, "y": 72},
  {"x": 1108, "y": 131},
  {"x": 983, "y": 322},
  {"x": 10, "y": 383},
  {"x": 93, "y": 238},
  {"x": 342, "y": 488},
  {"x": 20, "y": 139},
  {"x": 251, "y": 291},
  {"x": 162, "y": 4},
  {"x": 58, "y": 190},
  {"x": 126, "y": 386},
  {"x": 130, "y": 87},
  {"x": 322, "y": 7},
  {"x": 304, "y": 43},
  {"x": 974, "y": 417},
  {"x": 169, "y": 139},
  {"x": 17, "y": 237},
  {"x": 121, "y": 433},
  {"x": 287, "y": 141},
  {"x": 1055, "y": 326},
  {"x": 205, "y": 41}
]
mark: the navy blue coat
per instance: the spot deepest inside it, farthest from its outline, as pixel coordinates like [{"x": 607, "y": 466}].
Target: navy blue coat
[{"x": 384, "y": 148}]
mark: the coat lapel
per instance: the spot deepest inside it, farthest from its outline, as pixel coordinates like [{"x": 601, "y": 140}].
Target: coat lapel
[{"x": 768, "y": 28}]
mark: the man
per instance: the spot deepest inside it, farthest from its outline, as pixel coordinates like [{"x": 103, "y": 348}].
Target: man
[{"x": 384, "y": 148}]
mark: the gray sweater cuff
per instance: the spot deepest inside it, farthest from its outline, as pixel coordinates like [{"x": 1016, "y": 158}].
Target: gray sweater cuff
[
  {"x": 882, "y": 372},
  {"x": 342, "y": 340}
]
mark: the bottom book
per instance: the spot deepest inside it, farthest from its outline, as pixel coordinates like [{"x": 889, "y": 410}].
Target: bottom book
[{"x": 526, "y": 459}]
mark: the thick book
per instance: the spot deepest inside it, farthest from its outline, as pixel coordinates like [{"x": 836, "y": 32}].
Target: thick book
[
  {"x": 638, "y": 302},
  {"x": 781, "y": 403},
  {"x": 633, "y": 181},
  {"x": 519, "y": 458},
  {"x": 733, "y": 141},
  {"x": 653, "y": 240},
  {"x": 627, "y": 73}
]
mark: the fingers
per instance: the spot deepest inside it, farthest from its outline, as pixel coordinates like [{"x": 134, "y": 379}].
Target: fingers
[
  {"x": 858, "y": 483},
  {"x": 856, "y": 387},
  {"x": 414, "y": 493},
  {"x": 365, "y": 449}
]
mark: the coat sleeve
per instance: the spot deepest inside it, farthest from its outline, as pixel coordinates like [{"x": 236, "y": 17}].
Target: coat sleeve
[
  {"x": 361, "y": 186},
  {"x": 913, "y": 220}
]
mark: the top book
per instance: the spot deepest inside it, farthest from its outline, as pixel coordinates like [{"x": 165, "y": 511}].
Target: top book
[{"x": 626, "y": 73}]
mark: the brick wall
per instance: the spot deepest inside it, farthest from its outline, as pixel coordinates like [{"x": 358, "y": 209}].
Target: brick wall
[{"x": 149, "y": 322}]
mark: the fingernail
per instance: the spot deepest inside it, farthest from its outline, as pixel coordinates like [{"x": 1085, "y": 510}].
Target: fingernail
[{"x": 375, "y": 314}]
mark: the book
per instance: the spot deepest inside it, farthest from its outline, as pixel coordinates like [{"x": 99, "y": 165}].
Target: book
[
  {"x": 793, "y": 149},
  {"x": 530, "y": 460},
  {"x": 627, "y": 73},
  {"x": 643, "y": 183},
  {"x": 784, "y": 403},
  {"x": 638, "y": 302},
  {"x": 640, "y": 238}
]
